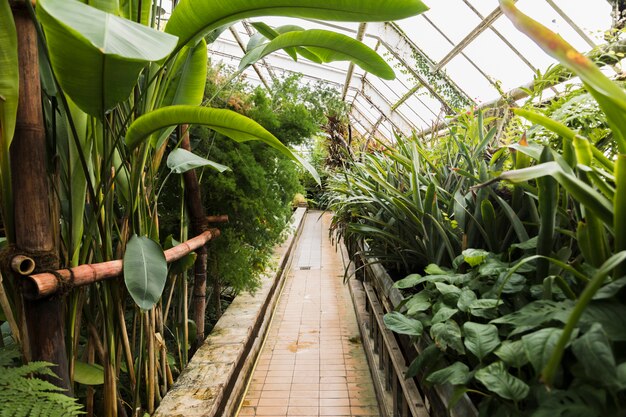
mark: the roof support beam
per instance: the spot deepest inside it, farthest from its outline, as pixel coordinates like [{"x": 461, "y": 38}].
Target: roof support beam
[
  {"x": 482, "y": 26},
  {"x": 502, "y": 38},
  {"x": 600, "y": 56},
  {"x": 346, "y": 85},
  {"x": 570, "y": 22},
  {"x": 267, "y": 85},
  {"x": 403, "y": 125}
]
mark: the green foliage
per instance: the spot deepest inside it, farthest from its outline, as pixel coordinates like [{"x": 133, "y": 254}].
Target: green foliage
[
  {"x": 414, "y": 205},
  {"x": 535, "y": 326},
  {"x": 24, "y": 395}
]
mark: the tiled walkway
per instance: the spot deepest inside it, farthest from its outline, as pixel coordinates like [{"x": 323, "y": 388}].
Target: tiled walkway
[{"x": 313, "y": 363}]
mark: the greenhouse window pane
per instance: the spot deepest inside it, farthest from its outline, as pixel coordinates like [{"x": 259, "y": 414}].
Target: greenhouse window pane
[
  {"x": 594, "y": 18},
  {"x": 489, "y": 52},
  {"x": 470, "y": 80},
  {"x": 453, "y": 17},
  {"x": 426, "y": 37}
]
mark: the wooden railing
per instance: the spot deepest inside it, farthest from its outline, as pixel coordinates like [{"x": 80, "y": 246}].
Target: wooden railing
[
  {"x": 389, "y": 354},
  {"x": 405, "y": 398}
]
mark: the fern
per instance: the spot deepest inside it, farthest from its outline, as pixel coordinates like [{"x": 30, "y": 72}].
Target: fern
[{"x": 23, "y": 395}]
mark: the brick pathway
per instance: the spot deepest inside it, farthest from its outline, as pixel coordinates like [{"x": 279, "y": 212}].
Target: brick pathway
[{"x": 313, "y": 363}]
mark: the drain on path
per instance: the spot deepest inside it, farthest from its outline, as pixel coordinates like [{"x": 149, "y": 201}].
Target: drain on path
[{"x": 305, "y": 268}]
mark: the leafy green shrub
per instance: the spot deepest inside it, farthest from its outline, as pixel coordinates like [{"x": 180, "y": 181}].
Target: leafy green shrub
[{"x": 414, "y": 206}]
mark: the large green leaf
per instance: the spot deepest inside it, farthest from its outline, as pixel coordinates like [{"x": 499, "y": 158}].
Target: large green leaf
[
  {"x": 187, "y": 77},
  {"x": 456, "y": 374},
  {"x": 97, "y": 56},
  {"x": 9, "y": 94},
  {"x": 496, "y": 378},
  {"x": 88, "y": 374},
  {"x": 306, "y": 53},
  {"x": 512, "y": 353},
  {"x": 540, "y": 345},
  {"x": 181, "y": 160},
  {"x": 192, "y": 19},
  {"x": 333, "y": 47},
  {"x": 145, "y": 271},
  {"x": 401, "y": 324},
  {"x": 593, "y": 351},
  {"x": 408, "y": 282},
  {"x": 447, "y": 334},
  {"x": 480, "y": 339},
  {"x": 226, "y": 122}
]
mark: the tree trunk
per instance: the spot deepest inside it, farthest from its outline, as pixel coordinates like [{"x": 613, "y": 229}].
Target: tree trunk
[
  {"x": 199, "y": 223},
  {"x": 33, "y": 220}
]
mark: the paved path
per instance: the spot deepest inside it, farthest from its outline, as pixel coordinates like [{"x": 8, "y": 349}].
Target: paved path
[{"x": 313, "y": 363}]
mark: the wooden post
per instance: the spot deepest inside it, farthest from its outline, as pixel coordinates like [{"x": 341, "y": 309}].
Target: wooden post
[
  {"x": 31, "y": 199},
  {"x": 199, "y": 223}
]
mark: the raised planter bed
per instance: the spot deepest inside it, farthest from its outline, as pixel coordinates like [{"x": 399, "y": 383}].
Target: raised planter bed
[{"x": 215, "y": 379}]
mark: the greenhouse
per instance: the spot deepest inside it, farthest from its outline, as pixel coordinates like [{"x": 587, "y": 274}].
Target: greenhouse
[{"x": 393, "y": 208}]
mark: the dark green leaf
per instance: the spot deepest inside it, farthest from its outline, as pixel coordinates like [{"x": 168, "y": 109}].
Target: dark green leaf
[
  {"x": 145, "y": 271},
  {"x": 539, "y": 346},
  {"x": 512, "y": 353},
  {"x": 466, "y": 299},
  {"x": 529, "y": 244},
  {"x": 496, "y": 379},
  {"x": 424, "y": 361},
  {"x": 447, "y": 334},
  {"x": 611, "y": 315},
  {"x": 456, "y": 374},
  {"x": 443, "y": 314},
  {"x": 480, "y": 339},
  {"x": 408, "y": 282},
  {"x": 594, "y": 352},
  {"x": 449, "y": 293},
  {"x": 401, "y": 324},
  {"x": 611, "y": 289},
  {"x": 418, "y": 302}
]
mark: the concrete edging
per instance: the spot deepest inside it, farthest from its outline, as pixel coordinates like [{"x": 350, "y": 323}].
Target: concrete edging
[{"x": 215, "y": 379}]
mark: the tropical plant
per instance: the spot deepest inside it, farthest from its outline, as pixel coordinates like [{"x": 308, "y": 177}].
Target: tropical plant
[
  {"x": 115, "y": 88},
  {"x": 554, "y": 320},
  {"x": 415, "y": 205}
]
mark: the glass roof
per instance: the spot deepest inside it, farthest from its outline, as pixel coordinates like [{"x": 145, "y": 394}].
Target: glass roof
[{"x": 458, "y": 54}]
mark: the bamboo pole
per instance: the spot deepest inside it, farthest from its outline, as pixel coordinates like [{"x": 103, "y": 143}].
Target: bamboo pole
[
  {"x": 47, "y": 283},
  {"x": 31, "y": 202},
  {"x": 198, "y": 223}
]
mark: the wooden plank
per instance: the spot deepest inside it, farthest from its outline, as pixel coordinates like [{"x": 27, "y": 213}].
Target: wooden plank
[
  {"x": 413, "y": 396},
  {"x": 438, "y": 396},
  {"x": 360, "y": 306}
]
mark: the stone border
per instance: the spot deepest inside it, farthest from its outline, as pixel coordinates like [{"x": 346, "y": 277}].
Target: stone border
[{"x": 215, "y": 379}]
